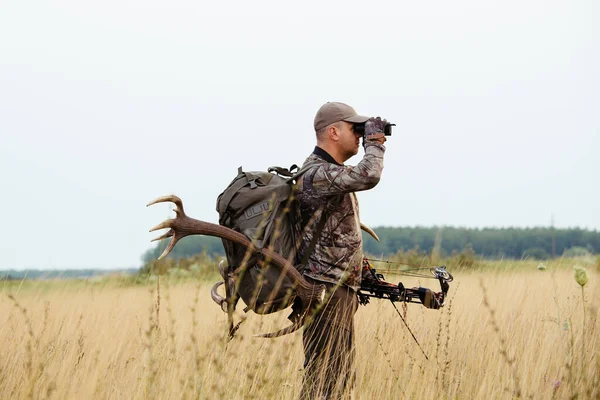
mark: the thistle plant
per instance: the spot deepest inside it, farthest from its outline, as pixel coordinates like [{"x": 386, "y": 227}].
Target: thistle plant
[{"x": 581, "y": 277}]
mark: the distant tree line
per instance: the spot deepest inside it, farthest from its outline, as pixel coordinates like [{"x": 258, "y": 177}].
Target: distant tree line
[
  {"x": 492, "y": 243},
  {"x": 10, "y": 275},
  {"x": 187, "y": 247}
]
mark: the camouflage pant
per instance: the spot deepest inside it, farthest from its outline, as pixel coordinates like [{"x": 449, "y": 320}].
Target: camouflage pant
[{"x": 329, "y": 347}]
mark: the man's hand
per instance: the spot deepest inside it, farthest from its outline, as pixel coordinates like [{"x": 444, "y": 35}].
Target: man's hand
[
  {"x": 376, "y": 138},
  {"x": 374, "y": 130}
]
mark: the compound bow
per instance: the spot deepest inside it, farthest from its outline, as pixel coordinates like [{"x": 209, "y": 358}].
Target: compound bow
[{"x": 374, "y": 285}]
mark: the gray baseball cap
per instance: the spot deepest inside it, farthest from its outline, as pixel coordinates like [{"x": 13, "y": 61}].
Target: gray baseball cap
[{"x": 331, "y": 112}]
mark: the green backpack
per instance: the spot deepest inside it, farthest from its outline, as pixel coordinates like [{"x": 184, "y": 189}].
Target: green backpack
[{"x": 261, "y": 206}]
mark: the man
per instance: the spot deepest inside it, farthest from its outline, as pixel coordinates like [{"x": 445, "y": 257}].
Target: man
[{"x": 327, "y": 189}]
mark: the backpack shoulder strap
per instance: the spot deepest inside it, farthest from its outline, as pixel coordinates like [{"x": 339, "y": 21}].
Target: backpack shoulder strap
[
  {"x": 301, "y": 172},
  {"x": 282, "y": 171}
]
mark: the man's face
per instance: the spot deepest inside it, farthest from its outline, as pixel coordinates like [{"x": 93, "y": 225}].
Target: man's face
[{"x": 348, "y": 141}]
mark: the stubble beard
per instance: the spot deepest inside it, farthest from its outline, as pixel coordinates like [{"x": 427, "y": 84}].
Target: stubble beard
[{"x": 352, "y": 153}]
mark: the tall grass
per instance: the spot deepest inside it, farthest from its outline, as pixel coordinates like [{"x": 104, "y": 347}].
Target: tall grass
[{"x": 522, "y": 337}]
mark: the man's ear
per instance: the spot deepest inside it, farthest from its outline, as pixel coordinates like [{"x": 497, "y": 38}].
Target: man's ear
[{"x": 334, "y": 133}]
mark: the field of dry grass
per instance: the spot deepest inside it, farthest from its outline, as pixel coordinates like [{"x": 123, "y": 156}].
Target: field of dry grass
[{"x": 507, "y": 331}]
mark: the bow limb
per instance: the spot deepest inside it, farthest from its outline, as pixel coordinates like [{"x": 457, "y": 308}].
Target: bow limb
[{"x": 445, "y": 287}]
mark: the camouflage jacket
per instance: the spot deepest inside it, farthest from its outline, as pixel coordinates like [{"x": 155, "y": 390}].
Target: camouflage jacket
[{"x": 337, "y": 255}]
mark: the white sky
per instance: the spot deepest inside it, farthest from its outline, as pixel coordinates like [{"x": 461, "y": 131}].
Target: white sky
[{"x": 107, "y": 105}]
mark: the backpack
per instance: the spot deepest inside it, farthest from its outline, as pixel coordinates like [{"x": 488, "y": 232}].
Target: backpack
[{"x": 261, "y": 206}]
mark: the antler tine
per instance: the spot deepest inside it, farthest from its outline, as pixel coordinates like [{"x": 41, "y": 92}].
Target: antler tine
[
  {"x": 369, "y": 231},
  {"x": 170, "y": 233},
  {"x": 217, "y": 298},
  {"x": 170, "y": 246},
  {"x": 282, "y": 332},
  {"x": 163, "y": 225},
  {"x": 169, "y": 198}
]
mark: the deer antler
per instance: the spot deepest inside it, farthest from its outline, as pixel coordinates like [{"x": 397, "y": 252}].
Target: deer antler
[{"x": 182, "y": 226}]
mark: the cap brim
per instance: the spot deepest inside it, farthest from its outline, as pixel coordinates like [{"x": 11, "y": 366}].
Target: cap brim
[{"x": 356, "y": 119}]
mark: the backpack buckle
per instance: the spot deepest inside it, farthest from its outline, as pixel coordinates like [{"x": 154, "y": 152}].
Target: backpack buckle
[{"x": 252, "y": 183}]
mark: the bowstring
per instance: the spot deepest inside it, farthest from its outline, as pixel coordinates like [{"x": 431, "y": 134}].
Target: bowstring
[
  {"x": 407, "y": 327},
  {"x": 401, "y": 263},
  {"x": 406, "y": 272}
]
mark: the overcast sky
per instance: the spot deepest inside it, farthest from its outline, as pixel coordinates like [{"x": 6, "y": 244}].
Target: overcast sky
[{"x": 105, "y": 106}]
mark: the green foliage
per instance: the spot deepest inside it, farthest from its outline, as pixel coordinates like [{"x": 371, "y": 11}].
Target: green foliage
[
  {"x": 536, "y": 253},
  {"x": 466, "y": 258},
  {"x": 416, "y": 257},
  {"x": 576, "y": 251},
  {"x": 18, "y": 275},
  {"x": 186, "y": 247},
  {"x": 200, "y": 266},
  {"x": 489, "y": 243}
]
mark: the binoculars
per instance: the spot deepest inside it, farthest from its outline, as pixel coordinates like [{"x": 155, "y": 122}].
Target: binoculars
[{"x": 359, "y": 129}]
